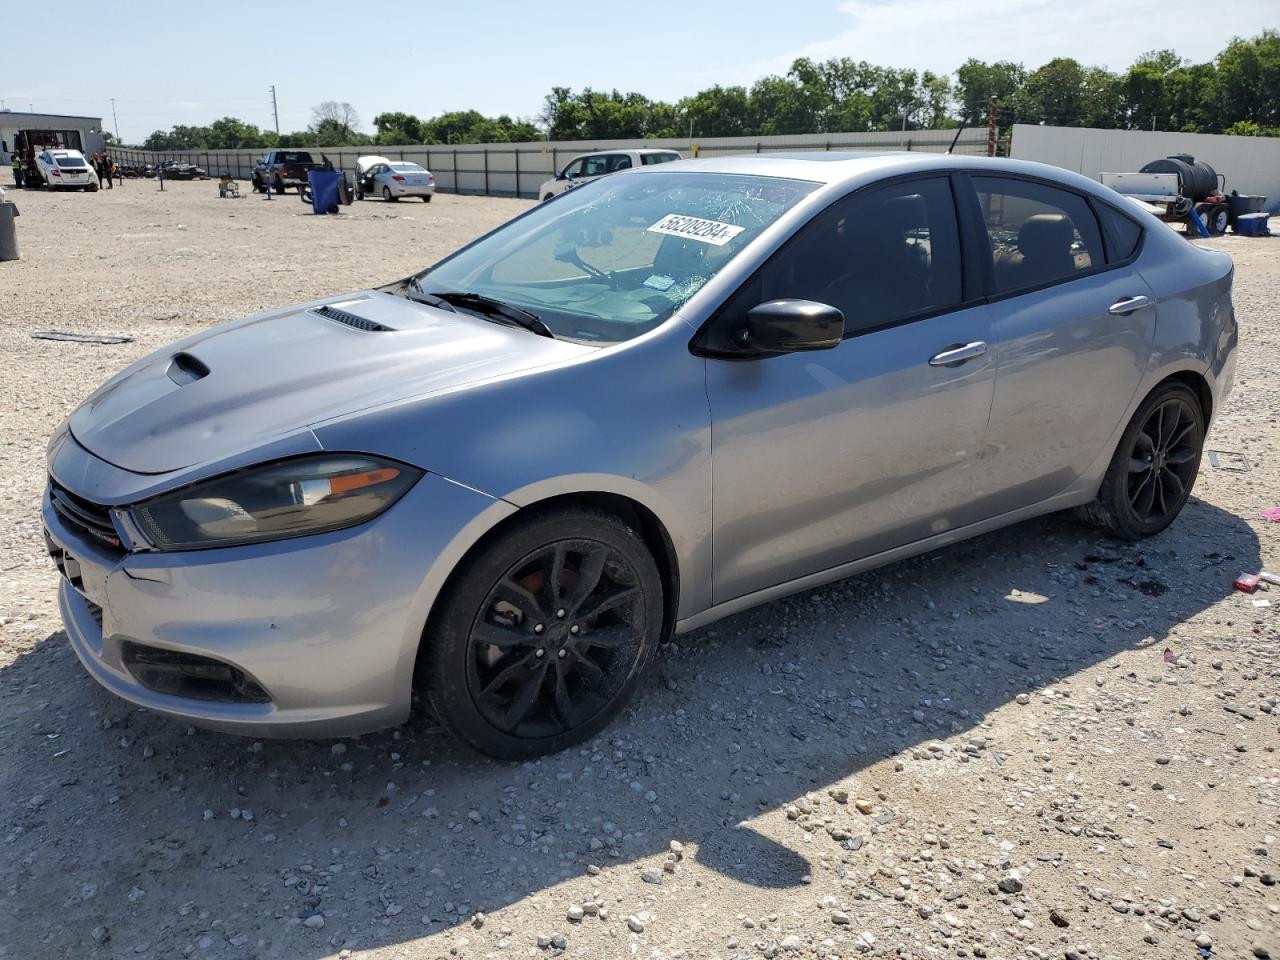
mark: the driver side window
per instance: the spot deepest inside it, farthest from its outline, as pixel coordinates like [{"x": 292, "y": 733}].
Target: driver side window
[
  {"x": 882, "y": 256},
  {"x": 572, "y": 170}
]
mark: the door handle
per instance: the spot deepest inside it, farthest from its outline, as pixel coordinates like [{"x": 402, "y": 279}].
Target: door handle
[
  {"x": 959, "y": 354},
  {"x": 1127, "y": 305}
]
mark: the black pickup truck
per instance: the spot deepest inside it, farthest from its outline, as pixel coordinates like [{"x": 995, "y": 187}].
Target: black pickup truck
[{"x": 283, "y": 169}]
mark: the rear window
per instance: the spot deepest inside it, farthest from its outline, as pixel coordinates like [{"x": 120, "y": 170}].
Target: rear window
[
  {"x": 69, "y": 161},
  {"x": 651, "y": 158},
  {"x": 408, "y": 168},
  {"x": 1121, "y": 234},
  {"x": 293, "y": 157}
]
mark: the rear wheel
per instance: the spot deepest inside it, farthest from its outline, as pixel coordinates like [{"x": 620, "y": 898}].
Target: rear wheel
[
  {"x": 1219, "y": 219},
  {"x": 278, "y": 186},
  {"x": 542, "y": 637},
  {"x": 1154, "y": 467},
  {"x": 386, "y": 194},
  {"x": 426, "y": 198},
  {"x": 547, "y": 197}
]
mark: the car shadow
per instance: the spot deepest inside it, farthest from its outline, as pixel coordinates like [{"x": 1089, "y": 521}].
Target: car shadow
[{"x": 400, "y": 835}]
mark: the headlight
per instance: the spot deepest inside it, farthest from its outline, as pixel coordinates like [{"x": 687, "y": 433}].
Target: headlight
[{"x": 292, "y": 498}]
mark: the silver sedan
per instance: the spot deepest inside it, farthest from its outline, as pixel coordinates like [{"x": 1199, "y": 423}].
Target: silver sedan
[{"x": 665, "y": 397}]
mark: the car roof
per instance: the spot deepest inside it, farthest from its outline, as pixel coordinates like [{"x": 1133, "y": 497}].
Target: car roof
[{"x": 850, "y": 167}]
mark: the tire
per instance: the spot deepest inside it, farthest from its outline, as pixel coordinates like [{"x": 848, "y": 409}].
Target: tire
[
  {"x": 506, "y": 668},
  {"x": 386, "y": 195},
  {"x": 257, "y": 184},
  {"x": 1219, "y": 219},
  {"x": 547, "y": 197},
  {"x": 426, "y": 198},
  {"x": 92, "y": 188},
  {"x": 1163, "y": 441},
  {"x": 278, "y": 187}
]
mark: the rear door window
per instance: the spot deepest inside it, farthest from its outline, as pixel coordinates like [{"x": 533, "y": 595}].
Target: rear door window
[
  {"x": 1037, "y": 234},
  {"x": 619, "y": 161}
]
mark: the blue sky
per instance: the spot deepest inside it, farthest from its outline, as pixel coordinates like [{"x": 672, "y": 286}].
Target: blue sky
[{"x": 183, "y": 63}]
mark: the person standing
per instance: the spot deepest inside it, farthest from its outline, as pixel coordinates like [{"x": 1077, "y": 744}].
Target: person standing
[
  {"x": 108, "y": 168},
  {"x": 19, "y": 174},
  {"x": 96, "y": 160}
]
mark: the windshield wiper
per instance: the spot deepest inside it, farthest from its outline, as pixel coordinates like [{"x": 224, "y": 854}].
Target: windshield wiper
[{"x": 489, "y": 307}]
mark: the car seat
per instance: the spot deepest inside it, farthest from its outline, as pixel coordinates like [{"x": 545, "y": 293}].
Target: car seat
[{"x": 1044, "y": 250}]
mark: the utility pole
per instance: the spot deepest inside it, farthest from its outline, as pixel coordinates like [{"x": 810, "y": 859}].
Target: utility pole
[
  {"x": 274, "y": 112},
  {"x": 114, "y": 121},
  {"x": 992, "y": 128}
]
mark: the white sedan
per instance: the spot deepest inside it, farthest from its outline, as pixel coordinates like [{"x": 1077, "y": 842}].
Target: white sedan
[
  {"x": 66, "y": 168},
  {"x": 593, "y": 166},
  {"x": 393, "y": 179}
]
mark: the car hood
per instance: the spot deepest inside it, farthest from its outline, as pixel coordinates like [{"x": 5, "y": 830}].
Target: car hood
[{"x": 249, "y": 383}]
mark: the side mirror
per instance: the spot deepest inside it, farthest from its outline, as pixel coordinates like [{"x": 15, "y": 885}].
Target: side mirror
[{"x": 791, "y": 326}]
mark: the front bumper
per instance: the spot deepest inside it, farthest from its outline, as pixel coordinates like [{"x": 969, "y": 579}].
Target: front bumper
[{"x": 329, "y": 625}]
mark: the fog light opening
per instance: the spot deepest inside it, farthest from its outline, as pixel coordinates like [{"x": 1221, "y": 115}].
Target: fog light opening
[{"x": 190, "y": 676}]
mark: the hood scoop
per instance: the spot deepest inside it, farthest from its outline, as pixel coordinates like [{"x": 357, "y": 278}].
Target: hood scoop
[{"x": 351, "y": 320}]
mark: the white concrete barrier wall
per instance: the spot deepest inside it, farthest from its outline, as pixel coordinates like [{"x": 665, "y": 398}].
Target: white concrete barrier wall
[
  {"x": 1251, "y": 165},
  {"x": 511, "y": 169}
]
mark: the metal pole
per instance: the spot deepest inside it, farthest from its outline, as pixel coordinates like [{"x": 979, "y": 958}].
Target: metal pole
[
  {"x": 992, "y": 138},
  {"x": 486, "y": 171},
  {"x": 114, "y": 122},
  {"x": 516, "y": 151},
  {"x": 457, "y": 180},
  {"x": 275, "y": 113}
]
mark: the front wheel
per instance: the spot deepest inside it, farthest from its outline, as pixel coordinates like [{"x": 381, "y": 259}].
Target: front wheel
[
  {"x": 543, "y": 636},
  {"x": 1154, "y": 467}
]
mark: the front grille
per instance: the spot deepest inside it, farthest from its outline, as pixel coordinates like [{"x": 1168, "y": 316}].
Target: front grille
[
  {"x": 189, "y": 675},
  {"x": 84, "y": 516},
  {"x": 351, "y": 320}
]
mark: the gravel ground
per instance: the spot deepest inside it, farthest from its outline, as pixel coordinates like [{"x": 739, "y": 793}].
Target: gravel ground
[{"x": 1040, "y": 743}]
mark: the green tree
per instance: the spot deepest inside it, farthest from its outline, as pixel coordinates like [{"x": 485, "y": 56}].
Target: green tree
[
  {"x": 1248, "y": 80},
  {"x": 1056, "y": 93},
  {"x": 398, "y": 128},
  {"x": 977, "y": 82},
  {"x": 230, "y": 133}
]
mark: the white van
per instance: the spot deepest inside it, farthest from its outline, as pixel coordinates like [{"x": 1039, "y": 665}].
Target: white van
[{"x": 593, "y": 166}]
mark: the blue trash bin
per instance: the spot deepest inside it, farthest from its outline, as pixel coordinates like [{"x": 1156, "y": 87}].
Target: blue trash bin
[{"x": 324, "y": 190}]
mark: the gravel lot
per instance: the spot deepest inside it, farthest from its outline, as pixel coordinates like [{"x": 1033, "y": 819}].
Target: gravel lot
[{"x": 1041, "y": 743}]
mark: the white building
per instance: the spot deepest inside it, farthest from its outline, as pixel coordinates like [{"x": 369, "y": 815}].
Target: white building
[{"x": 34, "y": 132}]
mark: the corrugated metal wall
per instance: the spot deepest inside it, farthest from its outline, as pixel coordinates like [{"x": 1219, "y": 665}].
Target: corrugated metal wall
[
  {"x": 518, "y": 169},
  {"x": 1251, "y": 164}
]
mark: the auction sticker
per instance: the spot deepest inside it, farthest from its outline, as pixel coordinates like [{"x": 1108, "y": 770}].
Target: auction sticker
[{"x": 695, "y": 228}]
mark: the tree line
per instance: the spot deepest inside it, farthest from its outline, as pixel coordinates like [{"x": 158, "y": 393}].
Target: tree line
[{"x": 1238, "y": 92}]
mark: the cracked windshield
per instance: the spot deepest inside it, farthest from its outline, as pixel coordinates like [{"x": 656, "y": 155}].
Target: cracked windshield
[{"x": 609, "y": 261}]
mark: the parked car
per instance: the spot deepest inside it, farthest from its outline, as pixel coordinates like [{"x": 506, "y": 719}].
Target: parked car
[
  {"x": 393, "y": 179},
  {"x": 181, "y": 170},
  {"x": 282, "y": 169},
  {"x": 66, "y": 169},
  {"x": 593, "y": 166},
  {"x": 667, "y": 397}
]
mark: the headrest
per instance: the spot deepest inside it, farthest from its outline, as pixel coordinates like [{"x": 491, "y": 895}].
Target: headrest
[{"x": 1045, "y": 234}]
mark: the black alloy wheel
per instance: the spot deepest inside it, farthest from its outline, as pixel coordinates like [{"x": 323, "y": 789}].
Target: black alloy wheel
[
  {"x": 556, "y": 639},
  {"x": 1162, "y": 464},
  {"x": 1155, "y": 465},
  {"x": 544, "y": 636}
]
